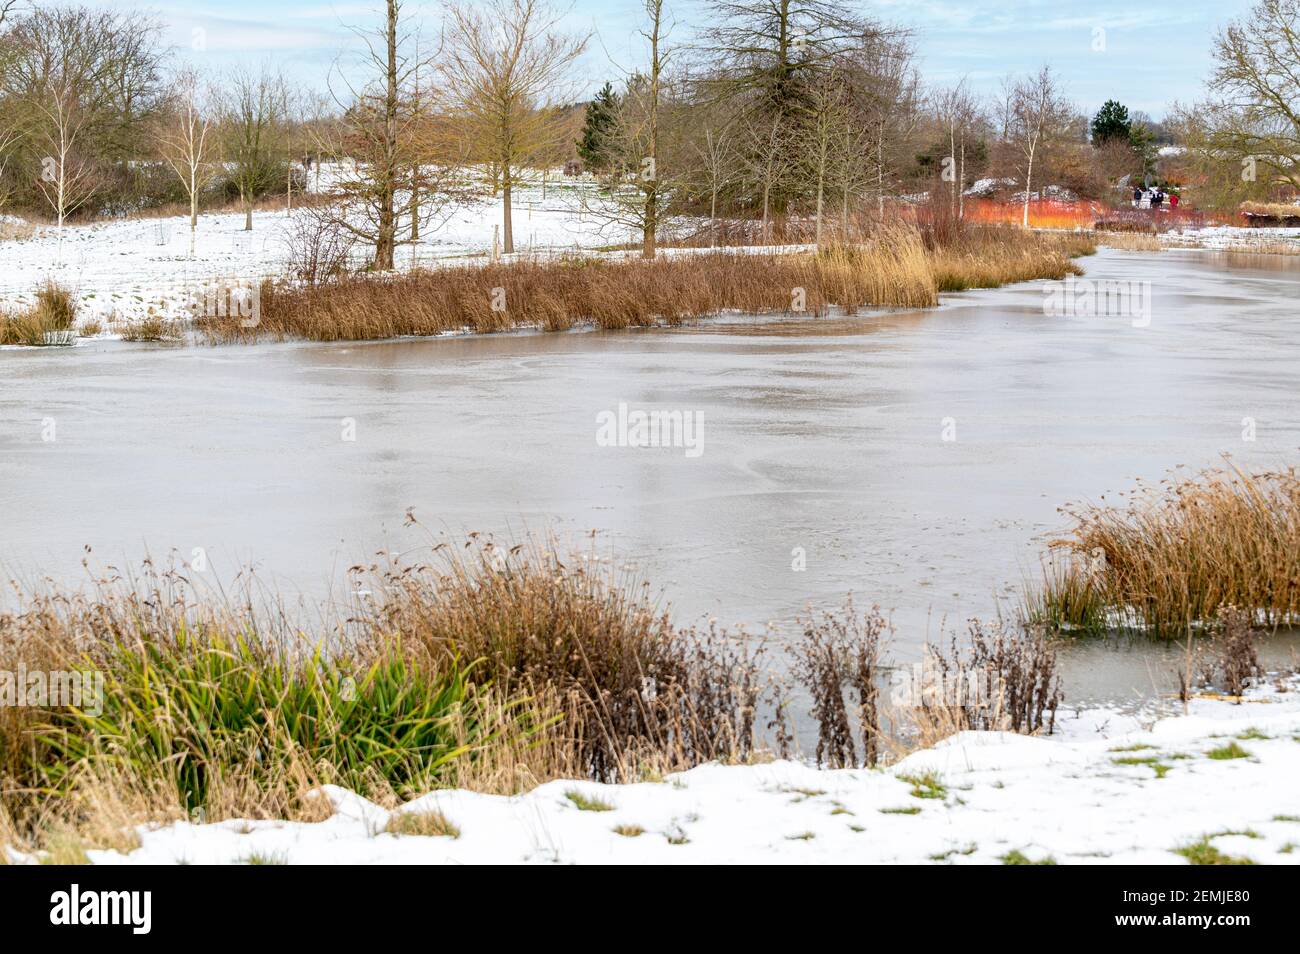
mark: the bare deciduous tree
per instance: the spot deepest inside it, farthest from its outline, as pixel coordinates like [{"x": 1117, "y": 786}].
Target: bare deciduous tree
[
  {"x": 825, "y": 117},
  {"x": 504, "y": 67},
  {"x": 960, "y": 116},
  {"x": 68, "y": 176},
  {"x": 766, "y": 159},
  {"x": 1036, "y": 117},
  {"x": 640, "y": 176},
  {"x": 253, "y": 125},
  {"x": 392, "y": 178},
  {"x": 716, "y": 169},
  {"x": 1252, "y": 119},
  {"x": 185, "y": 143}
]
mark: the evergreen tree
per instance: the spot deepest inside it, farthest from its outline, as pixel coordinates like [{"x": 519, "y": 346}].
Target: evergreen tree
[
  {"x": 594, "y": 146},
  {"x": 1111, "y": 122}
]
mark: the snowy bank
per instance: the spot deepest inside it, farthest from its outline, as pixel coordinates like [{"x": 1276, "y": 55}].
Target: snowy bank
[
  {"x": 1108, "y": 789},
  {"x": 133, "y": 268}
]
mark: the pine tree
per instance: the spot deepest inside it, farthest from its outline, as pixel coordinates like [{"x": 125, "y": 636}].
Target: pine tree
[
  {"x": 593, "y": 147},
  {"x": 1111, "y": 122}
]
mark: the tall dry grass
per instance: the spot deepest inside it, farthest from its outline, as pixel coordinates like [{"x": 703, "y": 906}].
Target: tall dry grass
[
  {"x": 1176, "y": 553},
  {"x": 634, "y": 691},
  {"x": 50, "y": 320},
  {"x": 609, "y": 293},
  {"x": 481, "y": 668},
  {"x": 896, "y": 267},
  {"x": 992, "y": 257}
]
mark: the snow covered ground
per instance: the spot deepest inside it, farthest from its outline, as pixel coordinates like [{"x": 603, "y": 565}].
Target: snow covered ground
[
  {"x": 128, "y": 269},
  {"x": 1236, "y": 238},
  {"x": 1106, "y": 789}
]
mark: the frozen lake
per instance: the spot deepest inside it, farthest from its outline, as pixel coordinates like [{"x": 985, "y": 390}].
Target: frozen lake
[{"x": 819, "y": 437}]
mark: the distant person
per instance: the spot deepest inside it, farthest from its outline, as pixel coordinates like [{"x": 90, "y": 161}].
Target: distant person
[
  {"x": 1137, "y": 196},
  {"x": 1157, "y": 199},
  {"x": 1173, "y": 200}
]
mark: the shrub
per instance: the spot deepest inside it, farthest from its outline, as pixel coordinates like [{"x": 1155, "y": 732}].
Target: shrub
[
  {"x": 1005, "y": 680},
  {"x": 838, "y": 659}
]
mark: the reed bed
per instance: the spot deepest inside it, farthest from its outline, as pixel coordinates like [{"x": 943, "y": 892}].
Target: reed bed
[
  {"x": 1174, "y": 554},
  {"x": 634, "y": 690},
  {"x": 483, "y": 668},
  {"x": 474, "y": 666},
  {"x": 896, "y": 267},
  {"x": 992, "y": 257},
  {"x": 1131, "y": 241},
  {"x": 51, "y": 320}
]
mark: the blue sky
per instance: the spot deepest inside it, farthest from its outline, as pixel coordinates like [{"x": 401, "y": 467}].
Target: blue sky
[{"x": 1151, "y": 54}]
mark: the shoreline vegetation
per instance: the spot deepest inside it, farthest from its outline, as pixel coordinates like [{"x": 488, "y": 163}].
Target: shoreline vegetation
[
  {"x": 496, "y": 669},
  {"x": 486, "y": 668},
  {"x": 1178, "y": 555},
  {"x": 898, "y": 266}
]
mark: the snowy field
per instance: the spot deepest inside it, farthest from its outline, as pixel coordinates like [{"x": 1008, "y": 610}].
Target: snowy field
[
  {"x": 129, "y": 269},
  {"x": 1238, "y": 239},
  {"x": 1106, "y": 789}
]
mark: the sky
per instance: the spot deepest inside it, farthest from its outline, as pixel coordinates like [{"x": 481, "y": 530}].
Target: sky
[{"x": 1147, "y": 55}]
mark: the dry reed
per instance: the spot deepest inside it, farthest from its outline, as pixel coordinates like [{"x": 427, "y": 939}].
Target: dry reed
[
  {"x": 893, "y": 268},
  {"x": 1176, "y": 553}
]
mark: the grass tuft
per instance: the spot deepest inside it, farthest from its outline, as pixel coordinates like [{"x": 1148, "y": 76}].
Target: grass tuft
[
  {"x": 50, "y": 321},
  {"x": 1203, "y": 853},
  {"x": 1015, "y": 857},
  {"x": 925, "y": 785},
  {"x": 431, "y": 824},
  {"x": 1225, "y": 752},
  {"x": 586, "y": 803}
]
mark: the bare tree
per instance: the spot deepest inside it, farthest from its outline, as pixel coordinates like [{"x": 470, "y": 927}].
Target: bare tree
[
  {"x": 505, "y": 66},
  {"x": 1252, "y": 118},
  {"x": 185, "y": 143},
  {"x": 717, "y": 169},
  {"x": 824, "y": 118},
  {"x": 959, "y": 114},
  {"x": 111, "y": 59},
  {"x": 766, "y": 159},
  {"x": 390, "y": 182},
  {"x": 1037, "y": 116},
  {"x": 68, "y": 175},
  {"x": 640, "y": 177},
  {"x": 857, "y": 165},
  {"x": 253, "y": 124},
  {"x": 883, "y": 92}
]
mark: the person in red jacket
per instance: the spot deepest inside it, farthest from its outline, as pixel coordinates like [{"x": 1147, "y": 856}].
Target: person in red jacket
[{"x": 1173, "y": 200}]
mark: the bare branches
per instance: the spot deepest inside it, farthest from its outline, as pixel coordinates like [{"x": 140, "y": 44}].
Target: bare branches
[
  {"x": 1253, "y": 116},
  {"x": 398, "y": 154},
  {"x": 186, "y": 142},
  {"x": 504, "y": 67},
  {"x": 68, "y": 174},
  {"x": 254, "y": 117},
  {"x": 1035, "y": 116}
]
